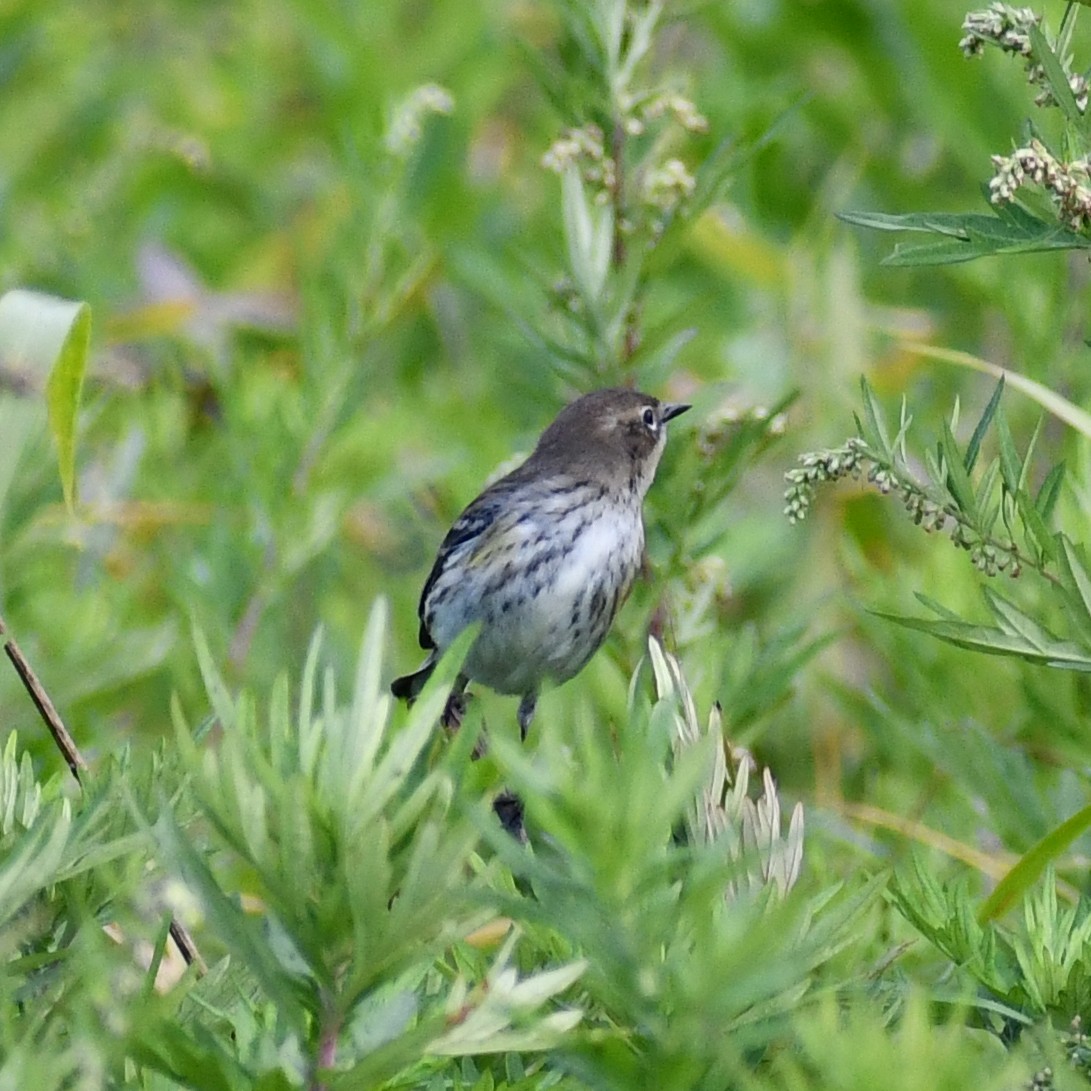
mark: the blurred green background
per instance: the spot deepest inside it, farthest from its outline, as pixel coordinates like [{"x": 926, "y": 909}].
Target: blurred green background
[{"x": 310, "y": 353}]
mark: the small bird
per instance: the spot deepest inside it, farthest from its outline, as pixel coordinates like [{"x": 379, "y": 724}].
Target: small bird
[{"x": 545, "y": 556}]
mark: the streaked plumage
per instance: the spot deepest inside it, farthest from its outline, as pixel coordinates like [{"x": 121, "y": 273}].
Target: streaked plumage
[{"x": 545, "y": 556}]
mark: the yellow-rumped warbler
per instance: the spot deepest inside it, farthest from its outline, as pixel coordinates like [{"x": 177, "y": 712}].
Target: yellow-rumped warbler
[{"x": 545, "y": 556}]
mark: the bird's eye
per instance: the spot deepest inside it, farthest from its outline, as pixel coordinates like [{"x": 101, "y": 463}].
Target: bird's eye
[{"x": 648, "y": 416}]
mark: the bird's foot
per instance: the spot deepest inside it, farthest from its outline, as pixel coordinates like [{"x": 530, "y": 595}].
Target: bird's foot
[
  {"x": 509, "y": 809},
  {"x": 454, "y": 712},
  {"x": 526, "y": 713}
]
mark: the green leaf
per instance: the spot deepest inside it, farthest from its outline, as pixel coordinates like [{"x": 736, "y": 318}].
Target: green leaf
[
  {"x": 1049, "y": 491},
  {"x": 1028, "y": 458},
  {"x": 222, "y": 704},
  {"x": 310, "y": 725},
  {"x": 362, "y": 734},
  {"x": 589, "y": 233},
  {"x": 997, "y": 641},
  {"x": 932, "y": 253},
  {"x": 32, "y": 862},
  {"x": 974, "y": 446},
  {"x": 386, "y": 1016},
  {"x": 1011, "y": 465},
  {"x": 40, "y": 335},
  {"x": 191, "y": 1056},
  {"x": 1078, "y": 584},
  {"x": 936, "y": 607},
  {"x": 1032, "y": 864},
  {"x": 941, "y": 223},
  {"x": 872, "y": 428},
  {"x": 905, "y": 420},
  {"x": 958, "y": 481},
  {"x": 1055, "y": 76},
  {"x": 20, "y": 792},
  {"x": 1015, "y": 622},
  {"x": 640, "y": 27},
  {"x": 232, "y": 927},
  {"x": 988, "y": 507},
  {"x": 1040, "y": 535},
  {"x": 966, "y": 236},
  {"x": 937, "y": 475}
]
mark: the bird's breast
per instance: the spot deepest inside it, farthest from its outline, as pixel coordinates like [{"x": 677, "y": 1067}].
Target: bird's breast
[{"x": 545, "y": 591}]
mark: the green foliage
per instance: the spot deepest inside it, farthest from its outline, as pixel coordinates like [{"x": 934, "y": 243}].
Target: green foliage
[
  {"x": 47, "y": 340},
  {"x": 1004, "y": 525},
  {"x": 998, "y": 518},
  {"x": 360, "y": 866},
  {"x": 344, "y": 261},
  {"x": 1004, "y": 513},
  {"x": 1040, "y": 970},
  {"x": 1015, "y": 228},
  {"x": 861, "y": 1049}
]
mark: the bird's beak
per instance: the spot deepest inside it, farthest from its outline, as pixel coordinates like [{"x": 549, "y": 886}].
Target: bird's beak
[{"x": 672, "y": 411}]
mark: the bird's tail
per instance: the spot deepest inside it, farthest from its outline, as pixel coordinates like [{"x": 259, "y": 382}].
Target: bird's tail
[{"x": 408, "y": 687}]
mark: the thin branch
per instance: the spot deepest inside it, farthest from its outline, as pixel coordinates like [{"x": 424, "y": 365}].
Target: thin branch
[
  {"x": 78, "y": 765},
  {"x": 631, "y": 337},
  {"x": 45, "y": 707},
  {"x": 617, "y": 192}
]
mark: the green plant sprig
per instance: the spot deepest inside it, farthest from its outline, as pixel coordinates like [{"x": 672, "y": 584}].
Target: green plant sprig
[
  {"x": 1059, "y": 170},
  {"x": 971, "y": 512},
  {"x": 949, "y": 501}
]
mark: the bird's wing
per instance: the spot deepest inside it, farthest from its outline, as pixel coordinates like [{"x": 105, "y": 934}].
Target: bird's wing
[{"x": 487, "y": 518}]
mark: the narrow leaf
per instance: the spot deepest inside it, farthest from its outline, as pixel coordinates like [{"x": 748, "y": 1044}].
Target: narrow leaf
[
  {"x": 363, "y": 730},
  {"x": 1039, "y": 533},
  {"x": 1032, "y": 864},
  {"x": 994, "y": 641},
  {"x": 1011, "y": 466},
  {"x": 39, "y": 335},
  {"x": 33, "y": 860},
  {"x": 589, "y": 232},
  {"x": 1049, "y": 491},
  {"x": 1052, "y": 402},
  {"x": 873, "y": 430},
  {"x": 974, "y": 446},
  {"x": 958, "y": 481},
  {"x": 1055, "y": 76},
  {"x": 226, "y": 918},
  {"x": 310, "y": 725},
  {"x": 987, "y": 507},
  {"x": 218, "y": 695},
  {"x": 1077, "y": 580},
  {"x": 936, "y": 607},
  {"x": 1013, "y": 621},
  {"x": 947, "y": 223}
]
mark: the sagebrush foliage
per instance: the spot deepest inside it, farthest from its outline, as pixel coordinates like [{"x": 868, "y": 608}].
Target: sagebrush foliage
[{"x": 343, "y": 260}]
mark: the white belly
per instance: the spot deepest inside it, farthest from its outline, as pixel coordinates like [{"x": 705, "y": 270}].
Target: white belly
[{"x": 549, "y": 616}]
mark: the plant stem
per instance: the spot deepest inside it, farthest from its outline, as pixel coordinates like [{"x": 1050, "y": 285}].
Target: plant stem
[
  {"x": 327, "y": 1045},
  {"x": 631, "y": 333},
  {"x": 78, "y": 765}
]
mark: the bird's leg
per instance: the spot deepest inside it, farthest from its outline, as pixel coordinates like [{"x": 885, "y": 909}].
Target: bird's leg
[
  {"x": 454, "y": 712},
  {"x": 455, "y": 708},
  {"x": 508, "y": 807},
  {"x": 526, "y": 713}
]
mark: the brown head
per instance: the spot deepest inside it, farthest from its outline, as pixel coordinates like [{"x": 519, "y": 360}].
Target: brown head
[{"x": 615, "y": 436}]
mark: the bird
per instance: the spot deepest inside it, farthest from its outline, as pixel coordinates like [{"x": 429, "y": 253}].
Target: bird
[{"x": 545, "y": 556}]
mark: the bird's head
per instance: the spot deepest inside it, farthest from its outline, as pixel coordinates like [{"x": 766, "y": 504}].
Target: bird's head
[{"x": 615, "y": 436}]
